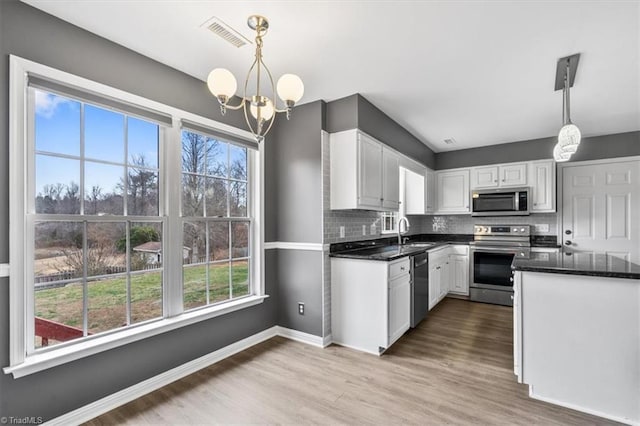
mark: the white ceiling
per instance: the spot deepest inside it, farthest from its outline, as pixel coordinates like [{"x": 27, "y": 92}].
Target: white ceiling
[{"x": 481, "y": 72}]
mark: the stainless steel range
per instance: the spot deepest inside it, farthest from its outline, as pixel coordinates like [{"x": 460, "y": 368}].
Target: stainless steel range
[{"x": 491, "y": 253}]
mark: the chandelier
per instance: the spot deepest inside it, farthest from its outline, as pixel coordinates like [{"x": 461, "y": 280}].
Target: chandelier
[
  {"x": 259, "y": 110},
  {"x": 569, "y": 135}
]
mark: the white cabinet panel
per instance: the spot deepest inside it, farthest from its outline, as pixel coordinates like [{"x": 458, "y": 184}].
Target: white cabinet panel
[
  {"x": 390, "y": 180},
  {"x": 513, "y": 174},
  {"x": 542, "y": 179},
  {"x": 459, "y": 270},
  {"x": 370, "y": 167},
  {"x": 399, "y": 307},
  {"x": 453, "y": 192},
  {"x": 414, "y": 192},
  {"x": 484, "y": 177},
  {"x": 430, "y": 188}
]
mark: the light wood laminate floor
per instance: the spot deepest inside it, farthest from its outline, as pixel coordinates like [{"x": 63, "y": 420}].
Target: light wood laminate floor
[{"x": 454, "y": 368}]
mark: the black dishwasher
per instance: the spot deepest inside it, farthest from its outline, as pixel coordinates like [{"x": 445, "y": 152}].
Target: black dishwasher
[{"x": 419, "y": 288}]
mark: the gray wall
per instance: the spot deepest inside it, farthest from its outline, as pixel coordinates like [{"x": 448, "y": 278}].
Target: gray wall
[
  {"x": 34, "y": 35},
  {"x": 591, "y": 148},
  {"x": 369, "y": 119},
  {"x": 296, "y": 192}
]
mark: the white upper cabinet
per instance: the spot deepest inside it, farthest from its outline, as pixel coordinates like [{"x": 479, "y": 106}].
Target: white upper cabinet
[
  {"x": 453, "y": 191},
  {"x": 484, "y": 177},
  {"x": 370, "y": 172},
  {"x": 364, "y": 173},
  {"x": 542, "y": 179},
  {"x": 514, "y": 174},
  {"x": 390, "y": 179}
]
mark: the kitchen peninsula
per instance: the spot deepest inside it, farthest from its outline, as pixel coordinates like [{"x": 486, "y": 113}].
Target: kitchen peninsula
[{"x": 577, "y": 332}]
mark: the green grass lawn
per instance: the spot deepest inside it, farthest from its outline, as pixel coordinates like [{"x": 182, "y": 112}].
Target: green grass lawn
[{"x": 107, "y": 297}]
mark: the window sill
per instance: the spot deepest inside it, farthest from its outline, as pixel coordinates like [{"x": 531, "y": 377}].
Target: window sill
[{"x": 55, "y": 357}]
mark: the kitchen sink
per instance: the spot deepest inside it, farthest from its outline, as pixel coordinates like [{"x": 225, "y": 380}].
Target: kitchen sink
[{"x": 420, "y": 245}]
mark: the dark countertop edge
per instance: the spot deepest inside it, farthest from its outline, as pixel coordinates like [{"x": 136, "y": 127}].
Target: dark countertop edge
[
  {"x": 349, "y": 254},
  {"x": 566, "y": 271}
]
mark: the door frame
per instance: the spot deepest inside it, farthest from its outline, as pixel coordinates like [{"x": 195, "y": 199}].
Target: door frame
[{"x": 560, "y": 184}]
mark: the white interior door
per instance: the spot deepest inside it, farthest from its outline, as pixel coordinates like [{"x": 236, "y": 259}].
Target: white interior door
[{"x": 601, "y": 209}]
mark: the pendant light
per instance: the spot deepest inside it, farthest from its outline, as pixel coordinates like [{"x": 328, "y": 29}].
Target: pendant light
[
  {"x": 569, "y": 136},
  {"x": 259, "y": 109}
]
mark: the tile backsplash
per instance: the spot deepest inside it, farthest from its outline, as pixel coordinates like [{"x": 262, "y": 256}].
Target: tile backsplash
[{"x": 463, "y": 224}]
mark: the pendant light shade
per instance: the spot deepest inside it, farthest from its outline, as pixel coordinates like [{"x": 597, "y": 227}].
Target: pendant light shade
[
  {"x": 222, "y": 83},
  {"x": 290, "y": 88},
  {"x": 569, "y": 138},
  {"x": 560, "y": 156}
]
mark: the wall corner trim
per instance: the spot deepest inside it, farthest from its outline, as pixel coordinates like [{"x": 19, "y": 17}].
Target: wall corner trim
[
  {"x": 4, "y": 270},
  {"x": 108, "y": 403}
]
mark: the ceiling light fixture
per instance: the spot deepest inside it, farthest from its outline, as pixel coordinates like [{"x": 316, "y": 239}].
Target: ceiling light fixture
[
  {"x": 569, "y": 135},
  {"x": 262, "y": 109}
]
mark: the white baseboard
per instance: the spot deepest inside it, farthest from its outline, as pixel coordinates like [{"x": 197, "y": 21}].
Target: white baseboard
[
  {"x": 285, "y": 245},
  {"x": 124, "y": 396},
  {"x": 90, "y": 411},
  {"x": 300, "y": 336},
  {"x": 624, "y": 420}
]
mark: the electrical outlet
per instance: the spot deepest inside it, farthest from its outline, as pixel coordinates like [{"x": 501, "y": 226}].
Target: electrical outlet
[
  {"x": 300, "y": 308},
  {"x": 364, "y": 229},
  {"x": 541, "y": 227},
  {"x": 342, "y": 232}
]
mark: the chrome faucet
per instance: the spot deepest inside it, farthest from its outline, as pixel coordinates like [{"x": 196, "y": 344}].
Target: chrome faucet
[{"x": 406, "y": 229}]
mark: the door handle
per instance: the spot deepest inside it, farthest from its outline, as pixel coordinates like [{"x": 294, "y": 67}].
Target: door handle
[
  {"x": 567, "y": 243},
  {"x": 568, "y": 232}
]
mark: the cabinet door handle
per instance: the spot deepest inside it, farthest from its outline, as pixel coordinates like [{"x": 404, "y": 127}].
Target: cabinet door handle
[
  {"x": 495, "y": 181},
  {"x": 402, "y": 268}
]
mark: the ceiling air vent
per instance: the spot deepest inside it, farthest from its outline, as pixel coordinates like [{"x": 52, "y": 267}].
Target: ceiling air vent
[
  {"x": 449, "y": 141},
  {"x": 218, "y": 27}
]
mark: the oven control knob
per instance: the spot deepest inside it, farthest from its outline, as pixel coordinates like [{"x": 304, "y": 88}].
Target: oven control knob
[
  {"x": 522, "y": 229},
  {"x": 485, "y": 229},
  {"x": 478, "y": 229}
]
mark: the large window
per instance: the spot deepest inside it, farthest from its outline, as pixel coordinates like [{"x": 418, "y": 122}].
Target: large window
[
  {"x": 128, "y": 218},
  {"x": 97, "y": 229}
]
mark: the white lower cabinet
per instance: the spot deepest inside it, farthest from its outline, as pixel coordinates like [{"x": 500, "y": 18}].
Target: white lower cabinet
[
  {"x": 448, "y": 273},
  {"x": 370, "y": 303}
]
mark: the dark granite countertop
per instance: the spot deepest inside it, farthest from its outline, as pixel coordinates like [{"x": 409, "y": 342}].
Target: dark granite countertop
[
  {"x": 387, "y": 249},
  {"x": 568, "y": 262}
]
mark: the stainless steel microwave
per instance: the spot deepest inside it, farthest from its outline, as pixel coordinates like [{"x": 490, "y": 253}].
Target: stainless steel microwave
[{"x": 500, "y": 202}]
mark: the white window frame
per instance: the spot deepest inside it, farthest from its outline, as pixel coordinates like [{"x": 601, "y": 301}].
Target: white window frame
[
  {"x": 21, "y": 234},
  {"x": 395, "y": 217}
]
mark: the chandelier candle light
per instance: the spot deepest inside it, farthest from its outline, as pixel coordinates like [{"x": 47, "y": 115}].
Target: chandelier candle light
[
  {"x": 262, "y": 109},
  {"x": 569, "y": 135}
]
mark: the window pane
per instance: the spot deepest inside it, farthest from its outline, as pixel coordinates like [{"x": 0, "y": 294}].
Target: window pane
[
  {"x": 58, "y": 313},
  {"x": 237, "y": 162},
  {"x": 145, "y": 246},
  {"x": 57, "y": 190},
  {"x": 194, "y": 241},
  {"x": 142, "y": 192},
  {"x": 103, "y": 185},
  {"x": 58, "y": 252},
  {"x": 219, "y": 282},
  {"x": 194, "y": 152},
  {"x": 103, "y": 134},
  {"x": 240, "y": 278},
  {"x": 238, "y": 199},
  {"x": 218, "y": 240},
  {"x": 57, "y": 124},
  {"x": 192, "y": 196},
  {"x": 103, "y": 256},
  {"x": 146, "y": 296},
  {"x": 142, "y": 139},
  {"x": 194, "y": 278},
  {"x": 107, "y": 304},
  {"x": 240, "y": 235},
  {"x": 216, "y": 197},
  {"x": 217, "y": 158}
]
